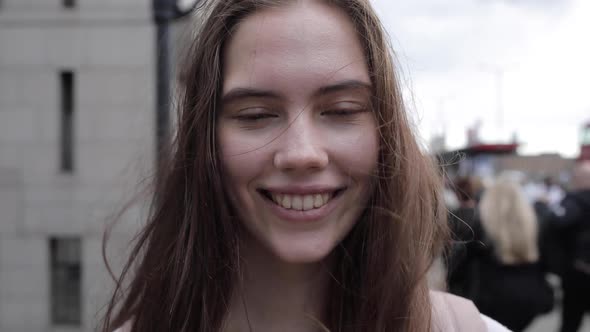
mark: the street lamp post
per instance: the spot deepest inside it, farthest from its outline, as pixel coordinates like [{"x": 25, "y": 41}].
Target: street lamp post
[{"x": 165, "y": 11}]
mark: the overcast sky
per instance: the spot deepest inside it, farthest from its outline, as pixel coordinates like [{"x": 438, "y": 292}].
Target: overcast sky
[{"x": 453, "y": 53}]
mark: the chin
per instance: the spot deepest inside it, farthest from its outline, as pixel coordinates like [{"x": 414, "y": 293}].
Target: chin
[{"x": 301, "y": 253}]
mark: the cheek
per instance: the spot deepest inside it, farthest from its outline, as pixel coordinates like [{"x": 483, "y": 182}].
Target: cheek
[
  {"x": 242, "y": 159},
  {"x": 357, "y": 151}
]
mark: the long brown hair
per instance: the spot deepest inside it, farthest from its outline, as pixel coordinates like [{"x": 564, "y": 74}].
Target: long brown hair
[{"x": 184, "y": 264}]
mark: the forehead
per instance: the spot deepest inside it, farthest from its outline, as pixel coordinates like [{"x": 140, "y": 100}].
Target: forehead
[{"x": 297, "y": 47}]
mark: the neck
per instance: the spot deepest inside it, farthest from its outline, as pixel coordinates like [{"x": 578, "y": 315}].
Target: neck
[{"x": 273, "y": 295}]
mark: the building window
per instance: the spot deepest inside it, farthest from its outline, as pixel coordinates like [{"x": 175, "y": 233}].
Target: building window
[
  {"x": 65, "y": 281},
  {"x": 67, "y": 121},
  {"x": 69, "y": 3}
]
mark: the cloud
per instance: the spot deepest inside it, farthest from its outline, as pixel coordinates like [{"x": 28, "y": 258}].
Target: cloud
[
  {"x": 549, "y": 6},
  {"x": 452, "y": 53},
  {"x": 441, "y": 36}
]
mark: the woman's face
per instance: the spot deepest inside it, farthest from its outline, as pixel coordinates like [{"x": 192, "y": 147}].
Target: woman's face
[{"x": 297, "y": 134}]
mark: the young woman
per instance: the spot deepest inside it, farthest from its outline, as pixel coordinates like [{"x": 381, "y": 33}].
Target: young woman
[{"x": 296, "y": 198}]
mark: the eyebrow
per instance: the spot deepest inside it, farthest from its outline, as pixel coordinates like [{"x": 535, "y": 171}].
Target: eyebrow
[
  {"x": 343, "y": 86},
  {"x": 241, "y": 93}
]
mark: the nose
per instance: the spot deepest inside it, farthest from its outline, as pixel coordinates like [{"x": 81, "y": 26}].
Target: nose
[{"x": 301, "y": 147}]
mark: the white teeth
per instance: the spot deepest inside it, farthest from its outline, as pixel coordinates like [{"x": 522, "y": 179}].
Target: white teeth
[
  {"x": 318, "y": 201},
  {"x": 277, "y": 197},
  {"x": 301, "y": 202},
  {"x": 307, "y": 202},
  {"x": 286, "y": 202},
  {"x": 297, "y": 202}
]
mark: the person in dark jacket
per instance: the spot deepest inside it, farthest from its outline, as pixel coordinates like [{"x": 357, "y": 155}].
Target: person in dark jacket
[
  {"x": 512, "y": 287},
  {"x": 573, "y": 227},
  {"x": 465, "y": 230},
  {"x": 495, "y": 261}
]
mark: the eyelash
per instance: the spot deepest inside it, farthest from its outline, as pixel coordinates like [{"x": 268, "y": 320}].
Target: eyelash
[
  {"x": 255, "y": 117},
  {"x": 258, "y": 117},
  {"x": 342, "y": 112}
]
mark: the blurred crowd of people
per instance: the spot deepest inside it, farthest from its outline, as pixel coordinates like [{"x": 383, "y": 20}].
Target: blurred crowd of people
[{"x": 511, "y": 237}]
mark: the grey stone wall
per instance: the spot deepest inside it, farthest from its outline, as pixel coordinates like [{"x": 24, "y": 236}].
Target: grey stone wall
[{"x": 109, "y": 45}]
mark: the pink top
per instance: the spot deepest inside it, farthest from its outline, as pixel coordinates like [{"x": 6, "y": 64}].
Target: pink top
[{"x": 450, "y": 313}]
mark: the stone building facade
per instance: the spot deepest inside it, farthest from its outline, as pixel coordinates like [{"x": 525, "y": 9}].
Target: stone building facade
[{"x": 76, "y": 137}]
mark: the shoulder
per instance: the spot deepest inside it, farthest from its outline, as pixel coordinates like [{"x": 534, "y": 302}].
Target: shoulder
[
  {"x": 453, "y": 313},
  {"x": 492, "y": 325},
  {"x": 125, "y": 327}
]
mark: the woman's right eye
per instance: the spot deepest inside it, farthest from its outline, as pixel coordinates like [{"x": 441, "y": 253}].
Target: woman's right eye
[{"x": 254, "y": 117}]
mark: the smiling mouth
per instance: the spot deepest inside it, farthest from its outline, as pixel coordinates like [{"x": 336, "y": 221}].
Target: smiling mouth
[{"x": 301, "y": 202}]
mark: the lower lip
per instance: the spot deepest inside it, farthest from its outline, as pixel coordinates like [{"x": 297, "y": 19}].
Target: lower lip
[{"x": 300, "y": 215}]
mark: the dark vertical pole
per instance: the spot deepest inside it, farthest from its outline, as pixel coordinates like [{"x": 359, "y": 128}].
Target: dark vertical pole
[
  {"x": 165, "y": 11},
  {"x": 163, "y": 88}
]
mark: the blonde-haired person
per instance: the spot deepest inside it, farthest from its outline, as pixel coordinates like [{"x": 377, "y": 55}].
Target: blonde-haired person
[
  {"x": 511, "y": 283},
  {"x": 509, "y": 221}
]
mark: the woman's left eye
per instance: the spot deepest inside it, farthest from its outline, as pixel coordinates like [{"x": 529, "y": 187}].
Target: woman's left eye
[{"x": 342, "y": 112}]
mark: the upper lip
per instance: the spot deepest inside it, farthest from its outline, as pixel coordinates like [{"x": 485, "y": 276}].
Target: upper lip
[{"x": 301, "y": 190}]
